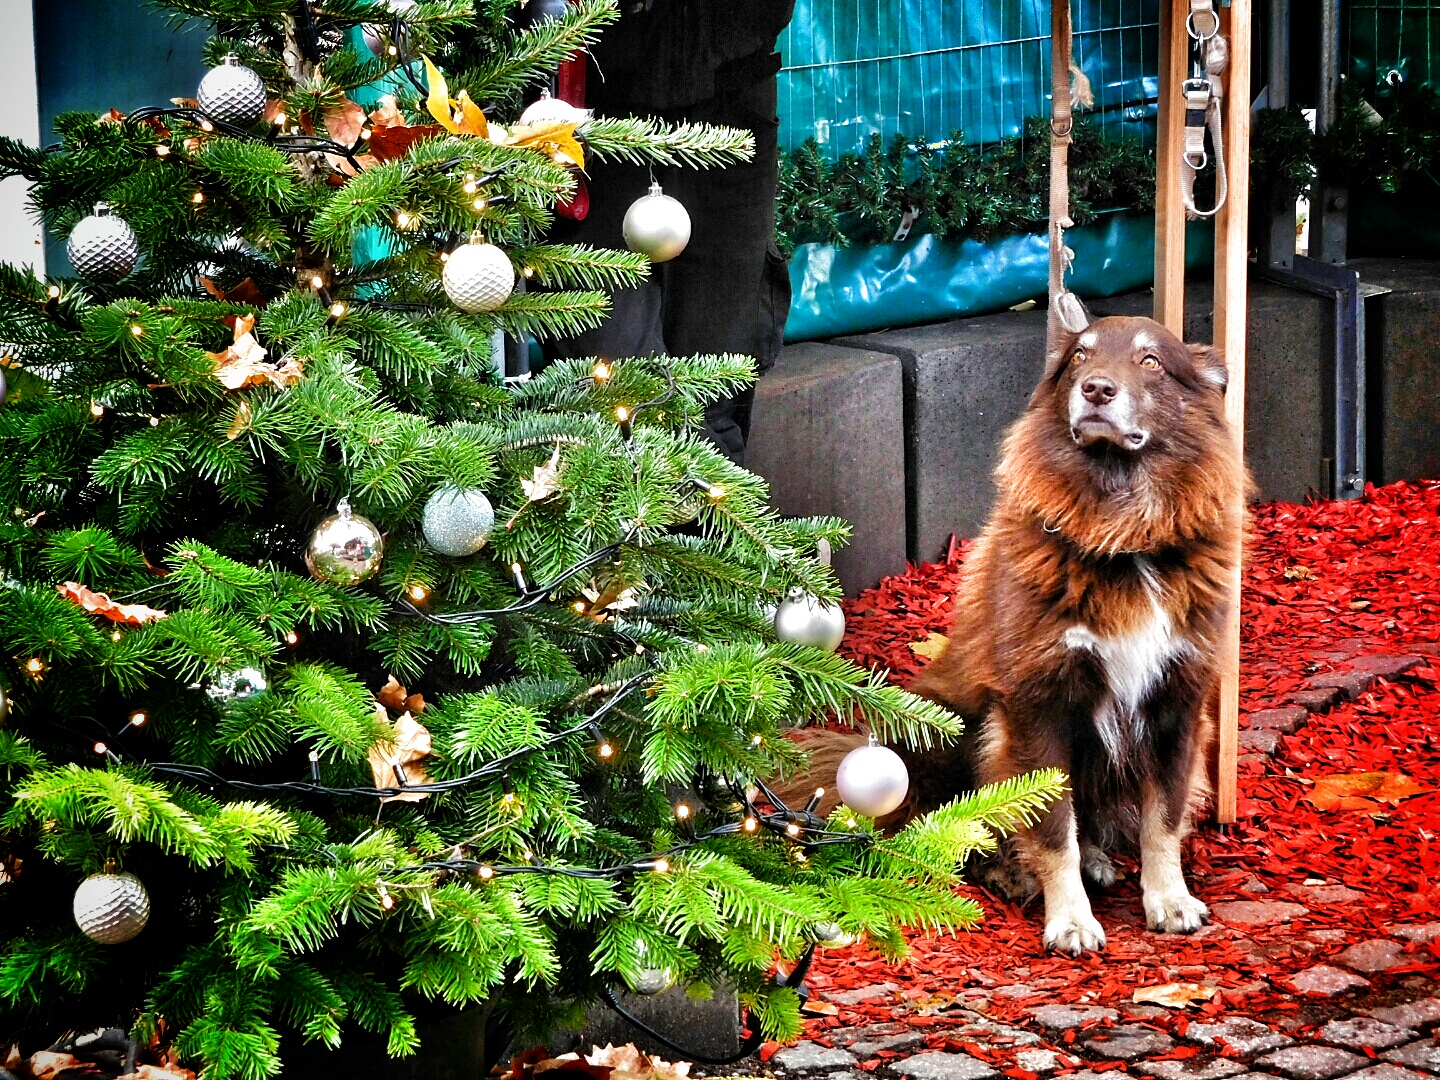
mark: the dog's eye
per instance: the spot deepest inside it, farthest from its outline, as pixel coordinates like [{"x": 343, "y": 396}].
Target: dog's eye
[
  {"x": 1078, "y": 356},
  {"x": 1150, "y": 362}
]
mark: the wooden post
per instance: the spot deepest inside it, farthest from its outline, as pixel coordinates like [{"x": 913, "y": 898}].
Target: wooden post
[
  {"x": 1169, "y": 209},
  {"x": 1231, "y": 267}
]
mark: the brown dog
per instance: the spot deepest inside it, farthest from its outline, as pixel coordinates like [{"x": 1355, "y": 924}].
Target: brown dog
[{"x": 1090, "y": 615}]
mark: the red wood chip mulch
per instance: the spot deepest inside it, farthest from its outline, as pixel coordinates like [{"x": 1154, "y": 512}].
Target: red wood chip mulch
[{"x": 1325, "y": 584}]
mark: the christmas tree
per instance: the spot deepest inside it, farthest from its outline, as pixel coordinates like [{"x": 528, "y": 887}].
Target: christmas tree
[{"x": 367, "y": 678}]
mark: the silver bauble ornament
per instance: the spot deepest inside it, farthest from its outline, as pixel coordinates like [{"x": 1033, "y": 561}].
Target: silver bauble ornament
[
  {"x": 872, "y": 780},
  {"x": 231, "y": 93},
  {"x": 243, "y": 684},
  {"x": 4, "y": 704},
  {"x": 657, "y": 226},
  {"x": 102, "y": 248},
  {"x": 457, "y": 521},
  {"x": 831, "y": 936},
  {"x": 805, "y": 620},
  {"x": 553, "y": 110},
  {"x": 374, "y": 33},
  {"x": 652, "y": 981},
  {"x": 345, "y": 548},
  {"x": 478, "y": 277},
  {"x": 111, "y": 907},
  {"x": 533, "y": 12}
]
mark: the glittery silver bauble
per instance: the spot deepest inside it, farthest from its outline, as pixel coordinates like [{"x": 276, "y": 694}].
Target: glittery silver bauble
[
  {"x": 657, "y": 226},
  {"x": 111, "y": 908},
  {"x": 457, "y": 521},
  {"x": 232, "y": 94},
  {"x": 872, "y": 780},
  {"x": 345, "y": 548},
  {"x": 102, "y": 248},
  {"x": 553, "y": 110},
  {"x": 244, "y": 684},
  {"x": 537, "y": 11},
  {"x": 804, "y": 620},
  {"x": 652, "y": 981},
  {"x": 478, "y": 277},
  {"x": 831, "y": 936},
  {"x": 375, "y": 33}
]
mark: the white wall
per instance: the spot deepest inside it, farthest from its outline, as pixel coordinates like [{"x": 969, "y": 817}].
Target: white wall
[{"x": 20, "y": 235}]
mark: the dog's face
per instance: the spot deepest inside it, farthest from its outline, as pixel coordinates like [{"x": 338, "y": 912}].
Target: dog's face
[{"x": 1125, "y": 387}]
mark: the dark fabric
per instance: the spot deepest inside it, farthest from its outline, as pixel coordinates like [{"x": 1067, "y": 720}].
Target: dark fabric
[
  {"x": 729, "y": 290},
  {"x": 665, "y": 54}
]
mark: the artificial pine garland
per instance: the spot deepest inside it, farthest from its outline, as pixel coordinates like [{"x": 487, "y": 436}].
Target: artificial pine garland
[{"x": 953, "y": 188}]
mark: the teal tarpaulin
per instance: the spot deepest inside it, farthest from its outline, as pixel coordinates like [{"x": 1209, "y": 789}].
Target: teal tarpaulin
[{"x": 852, "y": 290}]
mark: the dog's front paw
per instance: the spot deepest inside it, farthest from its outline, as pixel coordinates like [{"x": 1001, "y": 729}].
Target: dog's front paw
[
  {"x": 1074, "y": 932},
  {"x": 1175, "y": 913}
]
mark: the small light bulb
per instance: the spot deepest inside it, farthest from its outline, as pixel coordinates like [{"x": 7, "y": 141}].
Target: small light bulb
[
  {"x": 337, "y": 310},
  {"x": 154, "y": 421},
  {"x": 206, "y": 125},
  {"x": 137, "y": 329},
  {"x": 100, "y": 748},
  {"x": 716, "y": 492},
  {"x": 662, "y": 866},
  {"x": 115, "y": 635},
  {"x": 470, "y": 187},
  {"x": 800, "y": 857},
  {"x": 527, "y": 855},
  {"x": 751, "y": 824},
  {"x": 682, "y": 811},
  {"x": 314, "y": 755},
  {"x": 792, "y": 829},
  {"x": 365, "y": 133},
  {"x": 392, "y": 50},
  {"x": 280, "y": 119},
  {"x": 53, "y": 292},
  {"x": 386, "y": 900},
  {"x": 819, "y": 793},
  {"x": 316, "y": 281},
  {"x": 292, "y": 638},
  {"x": 198, "y": 197},
  {"x": 580, "y": 607},
  {"x": 756, "y": 740},
  {"x": 402, "y": 219},
  {"x": 606, "y": 750},
  {"x": 479, "y": 204},
  {"x": 418, "y": 592},
  {"x": 444, "y": 256},
  {"x": 96, "y": 409},
  {"x": 601, "y": 372},
  {"x": 529, "y": 271},
  {"x": 622, "y": 413},
  {"x": 138, "y": 718},
  {"x": 35, "y": 665}
]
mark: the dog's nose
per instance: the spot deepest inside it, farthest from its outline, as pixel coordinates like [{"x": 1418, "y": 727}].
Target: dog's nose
[{"x": 1097, "y": 390}]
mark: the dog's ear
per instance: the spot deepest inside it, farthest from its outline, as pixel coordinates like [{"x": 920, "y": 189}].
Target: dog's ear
[{"x": 1210, "y": 365}]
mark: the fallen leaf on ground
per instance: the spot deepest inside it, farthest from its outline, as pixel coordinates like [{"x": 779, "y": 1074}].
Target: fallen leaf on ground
[
  {"x": 632, "y": 1062},
  {"x": 1175, "y": 995},
  {"x": 1357, "y": 790},
  {"x": 931, "y": 645},
  {"x": 99, "y": 603}
]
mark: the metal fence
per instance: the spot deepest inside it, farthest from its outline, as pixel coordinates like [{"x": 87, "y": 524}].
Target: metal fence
[
  {"x": 853, "y": 68},
  {"x": 1401, "y": 36}
]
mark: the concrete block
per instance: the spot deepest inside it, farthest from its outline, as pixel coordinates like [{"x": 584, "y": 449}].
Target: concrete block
[
  {"x": 965, "y": 382},
  {"x": 1403, "y": 369},
  {"x": 711, "y": 1028},
  {"x": 828, "y": 434}
]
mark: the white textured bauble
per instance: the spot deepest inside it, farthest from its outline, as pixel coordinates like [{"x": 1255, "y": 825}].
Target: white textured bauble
[
  {"x": 345, "y": 548},
  {"x": 804, "y": 620},
  {"x": 374, "y": 34},
  {"x": 102, "y": 248},
  {"x": 872, "y": 780},
  {"x": 478, "y": 277},
  {"x": 657, "y": 226},
  {"x": 231, "y": 93},
  {"x": 831, "y": 936},
  {"x": 457, "y": 521},
  {"x": 243, "y": 684},
  {"x": 553, "y": 110},
  {"x": 652, "y": 981},
  {"x": 111, "y": 908}
]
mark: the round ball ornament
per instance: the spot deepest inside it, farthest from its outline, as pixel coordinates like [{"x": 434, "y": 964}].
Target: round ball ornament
[
  {"x": 457, "y": 521},
  {"x": 831, "y": 936},
  {"x": 345, "y": 548},
  {"x": 231, "y": 93},
  {"x": 111, "y": 907},
  {"x": 537, "y": 11},
  {"x": 805, "y": 620},
  {"x": 4, "y": 704},
  {"x": 102, "y": 248},
  {"x": 478, "y": 277},
  {"x": 657, "y": 226},
  {"x": 872, "y": 780},
  {"x": 236, "y": 687},
  {"x": 553, "y": 110},
  {"x": 652, "y": 981},
  {"x": 374, "y": 33}
]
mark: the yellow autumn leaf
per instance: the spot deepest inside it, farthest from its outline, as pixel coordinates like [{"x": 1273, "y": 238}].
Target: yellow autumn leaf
[
  {"x": 1175, "y": 995},
  {"x": 555, "y": 138},
  {"x": 932, "y": 646},
  {"x": 459, "y": 116}
]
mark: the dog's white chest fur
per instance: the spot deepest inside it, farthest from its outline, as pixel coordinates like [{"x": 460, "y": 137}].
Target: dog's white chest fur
[{"x": 1133, "y": 664}]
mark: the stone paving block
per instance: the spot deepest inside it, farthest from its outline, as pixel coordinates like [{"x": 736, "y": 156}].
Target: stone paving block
[
  {"x": 1418, "y": 1055},
  {"x": 808, "y": 1057},
  {"x": 1313, "y": 1062},
  {"x": 1064, "y": 1017},
  {"x": 1259, "y": 740},
  {"x": 1370, "y": 957},
  {"x": 966, "y": 381},
  {"x": 1245, "y": 913},
  {"x": 991, "y": 1031},
  {"x": 1245, "y": 1036},
  {"x": 1387, "y": 666},
  {"x": 1351, "y": 684},
  {"x": 1037, "y": 1061},
  {"x": 1429, "y": 649},
  {"x": 828, "y": 433},
  {"x": 1192, "y": 1069},
  {"x": 1422, "y": 1014},
  {"x": 1326, "y": 894},
  {"x": 862, "y": 993},
  {"x": 1359, "y": 1032},
  {"x": 1324, "y": 981},
  {"x": 1289, "y": 719},
  {"x": 1388, "y": 1072},
  {"x": 938, "y": 1065},
  {"x": 1127, "y": 1042},
  {"x": 1421, "y": 932},
  {"x": 866, "y": 1048},
  {"x": 1329, "y": 937},
  {"x": 1316, "y": 699}
]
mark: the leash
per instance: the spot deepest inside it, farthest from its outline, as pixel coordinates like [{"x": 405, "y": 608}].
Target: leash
[
  {"x": 1067, "y": 314},
  {"x": 1202, "y": 93}
]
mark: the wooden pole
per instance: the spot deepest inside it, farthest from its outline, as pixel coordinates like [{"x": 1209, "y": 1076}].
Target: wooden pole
[
  {"x": 1231, "y": 267},
  {"x": 1169, "y": 209},
  {"x": 1061, "y": 123}
]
